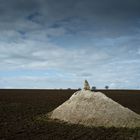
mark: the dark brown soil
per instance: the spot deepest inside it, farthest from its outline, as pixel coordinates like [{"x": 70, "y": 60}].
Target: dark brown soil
[{"x": 20, "y": 110}]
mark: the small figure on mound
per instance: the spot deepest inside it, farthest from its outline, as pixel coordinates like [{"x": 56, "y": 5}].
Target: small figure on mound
[{"x": 86, "y": 85}]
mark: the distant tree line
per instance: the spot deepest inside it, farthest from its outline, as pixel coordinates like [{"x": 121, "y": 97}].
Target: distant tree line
[{"x": 94, "y": 88}]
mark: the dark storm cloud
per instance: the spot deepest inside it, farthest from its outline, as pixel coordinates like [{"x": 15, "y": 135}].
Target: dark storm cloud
[
  {"x": 98, "y": 7},
  {"x": 8, "y": 6},
  {"x": 96, "y": 11},
  {"x": 99, "y": 14},
  {"x": 102, "y": 18}
]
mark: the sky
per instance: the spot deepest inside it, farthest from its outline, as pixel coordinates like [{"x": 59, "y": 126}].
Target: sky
[{"x": 60, "y": 43}]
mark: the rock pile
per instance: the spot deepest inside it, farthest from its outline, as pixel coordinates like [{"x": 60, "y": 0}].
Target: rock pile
[{"x": 95, "y": 109}]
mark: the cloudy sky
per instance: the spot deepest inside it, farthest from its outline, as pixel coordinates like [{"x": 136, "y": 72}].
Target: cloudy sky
[{"x": 59, "y": 43}]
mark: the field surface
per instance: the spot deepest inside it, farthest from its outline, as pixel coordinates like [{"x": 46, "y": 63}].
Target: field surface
[{"x": 22, "y": 116}]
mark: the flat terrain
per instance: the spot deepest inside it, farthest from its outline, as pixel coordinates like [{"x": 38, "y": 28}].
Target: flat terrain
[{"x": 22, "y": 116}]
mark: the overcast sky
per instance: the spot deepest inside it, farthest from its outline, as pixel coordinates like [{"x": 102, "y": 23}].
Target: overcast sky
[{"x": 59, "y": 43}]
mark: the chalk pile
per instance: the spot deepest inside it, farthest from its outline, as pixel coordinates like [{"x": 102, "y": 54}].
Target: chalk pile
[{"x": 95, "y": 109}]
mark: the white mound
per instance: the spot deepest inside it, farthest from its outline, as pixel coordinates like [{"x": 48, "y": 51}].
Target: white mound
[{"x": 95, "y": 109}]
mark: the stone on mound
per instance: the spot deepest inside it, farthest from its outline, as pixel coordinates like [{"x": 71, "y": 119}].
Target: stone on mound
[{"x": 95, "y": 109}]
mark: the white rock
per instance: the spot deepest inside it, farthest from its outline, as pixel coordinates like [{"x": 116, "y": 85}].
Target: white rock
[{"x": 86, "y": 85}]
